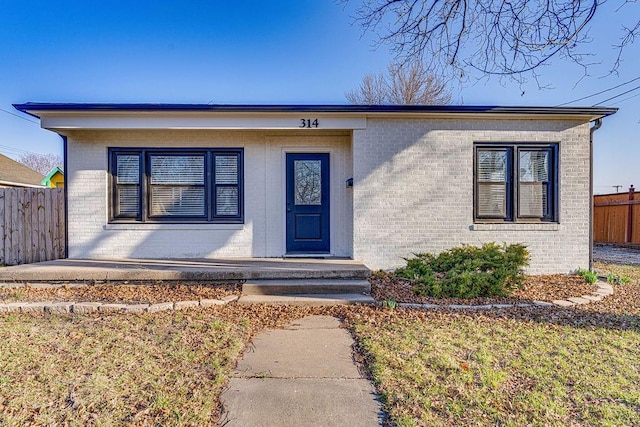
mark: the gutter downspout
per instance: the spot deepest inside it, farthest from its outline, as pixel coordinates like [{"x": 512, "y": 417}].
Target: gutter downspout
[
  {"x": 66, "y": 197},
  {"x": 597, "y": 124}
]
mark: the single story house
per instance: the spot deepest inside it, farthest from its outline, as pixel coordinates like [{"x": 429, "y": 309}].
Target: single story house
[
  {"x": 54, "y": 179},
  {"x": 372, "y": 183},
  {"x": 14, "y": 174}
]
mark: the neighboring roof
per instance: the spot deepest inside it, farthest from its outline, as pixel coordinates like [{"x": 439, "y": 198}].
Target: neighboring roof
[
  {"x": 47, "y": 179},
  {"x": 16, "y": 174},
  {"x": 36, "y": 108}
]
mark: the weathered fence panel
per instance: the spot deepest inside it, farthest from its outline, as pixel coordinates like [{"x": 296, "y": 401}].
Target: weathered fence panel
[
  {"x": 616, "y": 218},
  {"x": 32, "y": 226}
]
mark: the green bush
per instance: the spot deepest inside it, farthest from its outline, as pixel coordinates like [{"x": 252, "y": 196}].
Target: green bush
[
  {"x": 588, "y": 275},
  {"x": 468, "y": 271}
]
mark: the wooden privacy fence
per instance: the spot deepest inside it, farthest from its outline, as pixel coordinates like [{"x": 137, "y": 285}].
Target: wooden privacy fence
[
  {"x": 32, "y": 226},
  {"x": 616, "y": 218}
]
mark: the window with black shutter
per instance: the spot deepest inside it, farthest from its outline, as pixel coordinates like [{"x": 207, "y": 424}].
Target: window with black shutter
[
  {"x": 176, "y": 185},
  {"x": 516, "y": 182}
]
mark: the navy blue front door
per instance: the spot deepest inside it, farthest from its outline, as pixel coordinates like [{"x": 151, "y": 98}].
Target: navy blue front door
[{"x": 307, "y": 203}]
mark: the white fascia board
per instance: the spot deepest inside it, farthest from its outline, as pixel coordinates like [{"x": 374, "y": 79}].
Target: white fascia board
[
  {"x": 69, "y": 121},
  {"x": 481, "y": 116},
  {"x": 72, "y": 120}
]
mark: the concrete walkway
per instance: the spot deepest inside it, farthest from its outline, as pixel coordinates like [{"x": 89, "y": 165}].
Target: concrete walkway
[{"x": 302, "y": 375}]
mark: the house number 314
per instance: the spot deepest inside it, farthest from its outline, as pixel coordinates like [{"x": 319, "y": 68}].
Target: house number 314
[{"x": 308, "y": 123}]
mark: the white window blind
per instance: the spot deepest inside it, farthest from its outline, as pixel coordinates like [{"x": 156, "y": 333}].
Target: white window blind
[
  {"x": 492, "y": 176},
  {"x": 128, "y": 185},
  {"x": 128, "y": 169},
  {"x": 534, "y": 179},
  {"x": 226, "y": 167},
  {"x": 177, "y": 201},
  {"x": 177, "y": 185},
  {"x": 177, "y": 170}
]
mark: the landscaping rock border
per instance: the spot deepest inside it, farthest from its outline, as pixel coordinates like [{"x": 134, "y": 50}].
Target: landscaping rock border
[
  {"x": 603, "y": 291},
  {"x": 72, "y": 307}
]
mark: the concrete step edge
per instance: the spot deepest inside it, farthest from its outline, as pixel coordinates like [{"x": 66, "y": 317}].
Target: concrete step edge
[
  {"x": 306, "y": 286},
  {"x": 307, "y": 299}
]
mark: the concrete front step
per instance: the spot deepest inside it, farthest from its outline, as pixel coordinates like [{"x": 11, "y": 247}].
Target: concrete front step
[
  {"x": 307, "y": 299},
  {"x": 306, "y": 286}
]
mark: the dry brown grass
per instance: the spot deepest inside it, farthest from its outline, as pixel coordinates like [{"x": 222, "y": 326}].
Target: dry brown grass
[
  {"x": 544, "y": 366},
  {"x": 153, "y": 369}
]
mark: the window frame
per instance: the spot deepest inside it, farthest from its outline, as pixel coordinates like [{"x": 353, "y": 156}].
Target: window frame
[
  {"x": 144, "y": 213},
  {"x": 513, "y": 182},
  {"x": 114, "y": 186}
]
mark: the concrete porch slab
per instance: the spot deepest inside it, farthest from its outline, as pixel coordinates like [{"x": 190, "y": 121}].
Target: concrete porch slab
[{"x": 184, "y": 269}]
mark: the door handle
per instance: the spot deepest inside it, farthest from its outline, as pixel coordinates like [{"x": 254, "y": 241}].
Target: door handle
[{"x": 288, "y": 207}]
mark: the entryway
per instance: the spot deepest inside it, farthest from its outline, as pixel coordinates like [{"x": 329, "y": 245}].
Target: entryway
[{"x": 307, "y": 203}]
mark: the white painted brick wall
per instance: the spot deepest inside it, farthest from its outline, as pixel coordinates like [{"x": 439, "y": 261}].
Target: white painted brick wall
[
  {"x": 90, "y": 235},
  {"x": 413, "y": 190}
]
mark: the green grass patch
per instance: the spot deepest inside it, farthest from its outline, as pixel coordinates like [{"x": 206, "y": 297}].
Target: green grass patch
[
  {"x": 450, "y": 369},
  {"x": 161, "y": 369},
  {"x": 624, "y": 273}
]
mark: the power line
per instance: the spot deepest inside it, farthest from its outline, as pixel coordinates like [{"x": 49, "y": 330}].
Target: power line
[
  {"x": 628, "y": 98},
  {"x": 599, "y": 93},
  {"x": 17, "y": 150},
  {"x": 616, "y": 96},
  {"x": 20, "y": 117}
]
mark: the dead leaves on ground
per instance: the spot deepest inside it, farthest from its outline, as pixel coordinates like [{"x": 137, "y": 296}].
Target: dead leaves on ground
[
  {"x": 536, "y": 288},
  {"x": 124, "y": 293}
]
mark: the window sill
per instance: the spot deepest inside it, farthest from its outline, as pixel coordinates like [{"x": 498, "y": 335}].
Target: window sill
[
  {"x": 170, "y": 226},
  {"x": 515, "y": 227}
]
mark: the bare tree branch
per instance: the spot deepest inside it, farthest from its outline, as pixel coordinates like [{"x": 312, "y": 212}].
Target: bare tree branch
[
  {"x": 403, "y": 84},
  {"x": 372, "y": 91},
  {"x": 510, "y": 38},
  {"x": 42, "y": 163}
]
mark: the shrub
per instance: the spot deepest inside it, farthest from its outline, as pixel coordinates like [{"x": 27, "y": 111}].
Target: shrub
[
  {"x": 617, "y": 280},
  {"x": 468, "y": 271},
  {"x": 588, "y": 275}
]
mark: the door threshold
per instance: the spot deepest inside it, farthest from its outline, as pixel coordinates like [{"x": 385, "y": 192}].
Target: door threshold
[{"x": 318, "y": 255}]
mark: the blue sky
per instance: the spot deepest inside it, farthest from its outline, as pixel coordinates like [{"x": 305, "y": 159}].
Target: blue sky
[{"x": 284, "y": 51}]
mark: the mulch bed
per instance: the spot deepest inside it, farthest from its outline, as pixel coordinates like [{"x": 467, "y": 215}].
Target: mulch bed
[
  {"x": 383, "y": 287},
  {"x": 123, "y": 293},
  {"x": 536, "y": 288}
]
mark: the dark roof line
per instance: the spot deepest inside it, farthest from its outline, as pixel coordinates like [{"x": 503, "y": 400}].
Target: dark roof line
[{"x": 31, "y": 107}]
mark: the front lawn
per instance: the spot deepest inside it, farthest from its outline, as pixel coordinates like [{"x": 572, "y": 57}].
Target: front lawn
[
  {"x": 165, "y": 368},
  {"x": 551, "y": 366},
  {"x": 443, "y": 368},
  {"x": 529, "y": 366},
  {"x": 160, "y": 369}
]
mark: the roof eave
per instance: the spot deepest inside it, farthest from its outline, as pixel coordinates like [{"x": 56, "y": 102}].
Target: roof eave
[{"x": 37, "y": 109}]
